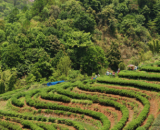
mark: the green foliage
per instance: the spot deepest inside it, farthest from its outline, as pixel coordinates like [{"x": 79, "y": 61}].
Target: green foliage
[
  {"x": 12, "y": 81},
  {"x": 28, "y": 15},
  {"x": 38, "y": 7},
  {"x": 13, "y": 16},
  {"x": 150, "y": 120},
  {"x": 12, "y": 30},
  {"x": 36, "y": 38},
  {"x": 64, "y": 65},
  {"x": 84, "y": 22},
  {"x": 107, "y": 18},
  {"x": 77, "y": 39},
  {"x": 131, "y": 83},
  {"x": 2, "y": 87},
  {"x": 9, "y": 125},
  {"x": 150, "y": 69},
  {"x": 134, "y": 123},
  {"x": 114, "y": 56},
  {"x": 154, "y": 46},
  {"x": 94, "y": 61},
  {"x": 2, "y": 35},
  {"x": 11, "y": 56},
  {"x": 94, "y": 4},
  {"x": 139, "y": 75},
  {"x": 122, "y": 66},
  {"x": 71, "y": 9}
]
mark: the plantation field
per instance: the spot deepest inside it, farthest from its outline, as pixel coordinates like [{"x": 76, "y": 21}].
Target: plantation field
[{"x": 127, "y": 102}]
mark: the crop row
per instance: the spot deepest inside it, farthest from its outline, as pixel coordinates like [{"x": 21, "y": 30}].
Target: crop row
[
  {"x": 95, "y": 98},
  {"x": 134, "y": 83},
  {"x": 7, "y": 95},
  {"x": 32, "y": 126},
  {"x": 46, "y": 127},
  {"x": 142, "y": 116},
  {"x": 54, "y": 106},
  {"x": 40, "y": 118},
  {"x": 148, "y": 123},
  {"x": 150, "y": 69},
  {"x": 16, "y": 101},
  {"x": 56, "y": 97},
  {"x": 139, "y": 75},
  {"x": 3, "y": 128},
  {"x": 9, "y": 125},
  {"x": 29, "y": 124}
]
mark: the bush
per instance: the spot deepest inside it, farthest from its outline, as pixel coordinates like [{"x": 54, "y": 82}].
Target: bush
[{"x": 122, "y": 66}]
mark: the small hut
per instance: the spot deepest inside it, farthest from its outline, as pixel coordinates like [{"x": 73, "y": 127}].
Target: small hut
[{"x": 131, "y": 67}]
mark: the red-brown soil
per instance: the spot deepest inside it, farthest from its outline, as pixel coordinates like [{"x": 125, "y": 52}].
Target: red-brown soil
[
  {"x": 154, "y": 106},
  {"x": 119, "y": 99},
  {"x": 94, "y": 107}
]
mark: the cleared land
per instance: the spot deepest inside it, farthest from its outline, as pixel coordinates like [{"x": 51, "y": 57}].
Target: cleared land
[{"x": 127, "y": 102}]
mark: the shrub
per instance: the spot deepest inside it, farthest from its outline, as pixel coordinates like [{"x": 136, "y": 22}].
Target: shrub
[{"x": 122, "y": 66}]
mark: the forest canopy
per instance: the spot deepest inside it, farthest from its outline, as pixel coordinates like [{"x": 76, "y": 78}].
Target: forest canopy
[{"x": 49, "y": 40}]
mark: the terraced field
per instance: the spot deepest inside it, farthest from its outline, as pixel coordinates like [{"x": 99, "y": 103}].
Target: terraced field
[{"x": 127, "y": 102}]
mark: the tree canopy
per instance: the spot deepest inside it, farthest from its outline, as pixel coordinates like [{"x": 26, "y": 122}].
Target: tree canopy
[{"x": 50, "y": 40}]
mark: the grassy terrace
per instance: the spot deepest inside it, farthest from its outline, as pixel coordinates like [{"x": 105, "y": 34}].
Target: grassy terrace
[{"x": 107, "y": 103}]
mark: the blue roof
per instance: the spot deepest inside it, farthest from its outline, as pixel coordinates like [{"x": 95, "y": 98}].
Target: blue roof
[{"x": 54, "y": 83}]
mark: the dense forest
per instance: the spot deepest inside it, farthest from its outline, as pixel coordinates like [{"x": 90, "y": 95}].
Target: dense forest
[{"x": 49, "y": 40}]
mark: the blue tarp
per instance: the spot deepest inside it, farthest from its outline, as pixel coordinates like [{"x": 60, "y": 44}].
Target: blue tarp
[{"x": 54, "y": 83}]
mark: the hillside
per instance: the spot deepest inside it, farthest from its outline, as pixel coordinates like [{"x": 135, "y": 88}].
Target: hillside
[
  {"x": 129, "y": 101},
  {"x": 51, "y": 40},
  {"x": 43, "y": 41}
]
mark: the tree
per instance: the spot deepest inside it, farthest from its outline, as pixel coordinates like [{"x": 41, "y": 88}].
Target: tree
[
  {"x": 45, "y": 13},
  {"x": 107, "y": 18},
  {"x": 38, "y": 7},
  {"x": 154, "y": 46},
  {"x": 157, "y": 21},
  {"x": 34, "y": 55},
  {"x": 2, "y": 35},
  {"x": 93, "y": 60},
  {"x": 2, "y": 87},
  {"x": 22, "y": 40},
  {"x": 72, "y": 9},
  {"x": 12, "y": 81},
  {"x": 13, "y": 16},
  {"x": 2, "y": 24},
  {"x": 114, "y": 56},
  {"x": 77, "y": 39},
  {"x": 52, "y": 45},
  {"x": 64, "y": 65},
  {"x": 94, "y": 4},
  {"x": 85, "y": 22},
  {"x": 28, "y": 15},
  {"x": 12, "y": 55},
  {"x": 42, "y": 70},
  {"x": 122, "y": 8},
  {"x": 40, "y": 40},
  {"x": 149, "y": 3},
  {"x": 57, "y": 57},
  {"x": 12, "y": 30}
]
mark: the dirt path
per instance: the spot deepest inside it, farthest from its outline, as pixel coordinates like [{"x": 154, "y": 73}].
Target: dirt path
[
  {"x": 94, "y": 107},
  {"x": 153, "y": 109},
  {"x": 86, "y": 118},
  {"x": 119, "y": 99},
  {"x": 154, "y": 106}
]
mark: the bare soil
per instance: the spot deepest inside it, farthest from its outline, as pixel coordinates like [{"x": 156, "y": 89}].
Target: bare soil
[
  {"x": 94, "y": 107},
  {"x": 154, "y": 106},
  {"x": 119, "y": 99}
]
